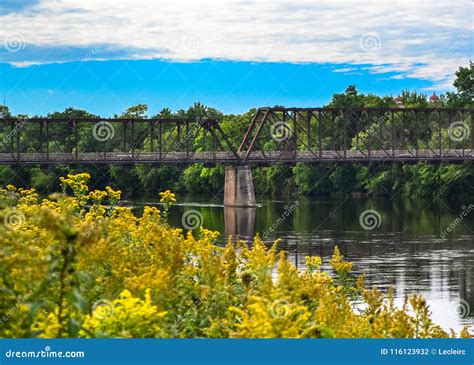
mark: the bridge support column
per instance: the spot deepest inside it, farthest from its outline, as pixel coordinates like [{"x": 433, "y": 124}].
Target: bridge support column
[{"x": 238, "y": 189}]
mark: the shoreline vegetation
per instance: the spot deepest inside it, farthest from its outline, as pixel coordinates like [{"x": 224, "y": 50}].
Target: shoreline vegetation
[
  {"x": 421, "y": 180},
  {"x": 79, "y": 265}
]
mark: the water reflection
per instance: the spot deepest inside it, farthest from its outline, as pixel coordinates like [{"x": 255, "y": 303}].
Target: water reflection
[
  {"x": 406, "y": 251},
  {"x": 442, "y": 273},
  {"x": 239, "y": 222}
]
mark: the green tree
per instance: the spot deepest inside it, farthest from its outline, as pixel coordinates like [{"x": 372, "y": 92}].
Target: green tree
[
  {"x": 464, "y": 84},
  {"x": 135, "y": 112}
]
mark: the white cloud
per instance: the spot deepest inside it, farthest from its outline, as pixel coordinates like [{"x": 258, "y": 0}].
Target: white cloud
[
  {"x": 423, "y": 39},
  {"x": 345, "y": 69}
]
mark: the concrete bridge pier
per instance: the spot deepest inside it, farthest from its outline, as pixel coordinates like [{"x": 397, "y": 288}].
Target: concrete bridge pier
[{"x": 238, "y": 189}]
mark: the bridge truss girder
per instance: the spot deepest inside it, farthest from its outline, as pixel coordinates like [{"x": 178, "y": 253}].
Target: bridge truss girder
[{"x": 286, "y": 135}]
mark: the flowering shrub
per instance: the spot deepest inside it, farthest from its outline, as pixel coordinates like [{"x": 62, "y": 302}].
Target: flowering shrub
[
  {"x": 91, "y": 269},
  {"x": 167, "y": 199}
]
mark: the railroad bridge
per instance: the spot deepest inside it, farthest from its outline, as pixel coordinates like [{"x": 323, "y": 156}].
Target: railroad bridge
[{"x": 274, "y": 135}]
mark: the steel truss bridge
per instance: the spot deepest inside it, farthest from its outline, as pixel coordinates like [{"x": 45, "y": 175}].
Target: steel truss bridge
[{"x": 274, "y": 135}]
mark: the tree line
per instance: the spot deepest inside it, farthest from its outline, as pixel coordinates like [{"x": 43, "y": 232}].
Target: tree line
[{"x": 419, "y": 180}]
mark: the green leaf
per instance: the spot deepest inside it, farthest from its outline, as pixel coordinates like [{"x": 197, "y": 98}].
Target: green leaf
[
  {"x": 73, "y": 327},
  {"x": 79, "y": 302}
]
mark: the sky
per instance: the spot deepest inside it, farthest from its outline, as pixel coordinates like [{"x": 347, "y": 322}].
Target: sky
[{"x": 104, "y": 56}]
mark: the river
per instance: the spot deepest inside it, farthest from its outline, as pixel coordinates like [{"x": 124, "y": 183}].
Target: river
[{"x": 401, "y": 244}]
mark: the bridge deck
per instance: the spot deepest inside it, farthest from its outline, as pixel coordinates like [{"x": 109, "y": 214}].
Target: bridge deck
[{"x": 170, "y": 158}]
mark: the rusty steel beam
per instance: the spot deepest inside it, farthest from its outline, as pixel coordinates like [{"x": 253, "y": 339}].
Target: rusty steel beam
[{"x": 390, "y": 134}]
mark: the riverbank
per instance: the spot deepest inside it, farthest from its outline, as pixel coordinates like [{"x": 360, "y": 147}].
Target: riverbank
[{"x": 446, "y": 181}]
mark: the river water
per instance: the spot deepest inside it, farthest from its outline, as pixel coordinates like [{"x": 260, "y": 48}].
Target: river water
[{"x": 401, "y": 244}]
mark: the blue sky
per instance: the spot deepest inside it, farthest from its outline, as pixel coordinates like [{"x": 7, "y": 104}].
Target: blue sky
[
  {"x": 106, "y": 56},
  {"x": 110, "y": 87}
]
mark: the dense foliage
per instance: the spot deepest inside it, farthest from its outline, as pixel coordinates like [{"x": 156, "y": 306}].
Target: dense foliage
[{"x": 81, "y": 266}]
